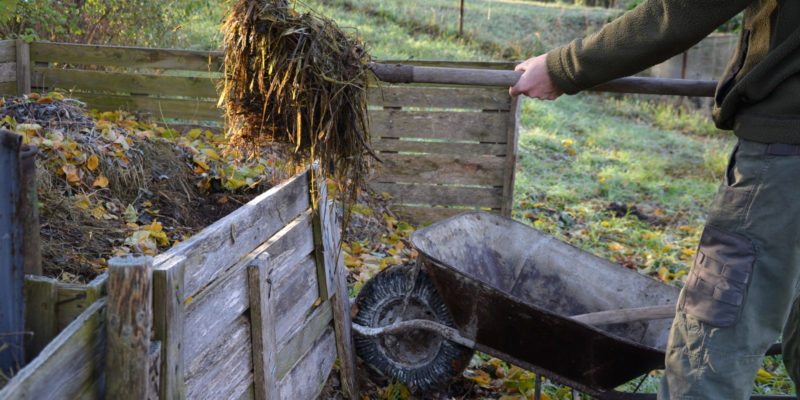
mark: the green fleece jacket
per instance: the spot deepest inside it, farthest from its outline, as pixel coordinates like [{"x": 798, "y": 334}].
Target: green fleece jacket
[{"x": 759, "y": 96}]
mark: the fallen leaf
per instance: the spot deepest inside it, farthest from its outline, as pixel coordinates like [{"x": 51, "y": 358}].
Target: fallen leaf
[
  {"x": 100, "y": 182},
  {"x": 92, "y": 162}
]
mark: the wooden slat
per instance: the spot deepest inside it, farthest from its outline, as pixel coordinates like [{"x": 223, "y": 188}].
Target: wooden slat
[
  {"x": 154, "y": 378},
  {"x": 306, "y": 379},
  {"x": 262, "y": 325},
  {"x": 131, "y": 57},
  {"x": 320, "y": 255},
  {"x": 209, "y": 253},
  {"x": 8, "y": 88},
  {"x": 441, "y": 195},
  {"x": 71, "y": 303},
  {"x": 168, "y": 321},
  {"x": 475, "y": 126},
  {"x": 452, "y": 148},
  {"x": 23, "y": 67},
  {"x": 224, "y": 367},
  {"x": 8, "y": 71},
  {"x": 293, "y": 300},
  {"x": 411, "y": 96},
  {"x": 71, "y": 366},
  {"x": 8, "y": 50},
  {"x": 454, "y": 64},
  {"x": 153, "y": 85},
  {"x": 157, "y": 108},
  {"x": 510, "y": 167},
  {"x": 424, "y": 215},
  {"x": 40, "y": 313},
  {"x": 437, "y": 169},
  {"x": 291, "y": 351},
  {"x": 209, "y": 313}
]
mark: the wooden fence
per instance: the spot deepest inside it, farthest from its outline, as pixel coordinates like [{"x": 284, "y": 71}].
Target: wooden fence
[
  {"x": 253, "y": 306},
  {"x": 446, "y": 149}
]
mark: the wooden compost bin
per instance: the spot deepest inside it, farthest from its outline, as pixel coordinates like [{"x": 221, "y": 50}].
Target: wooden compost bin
[
  {"x": 253, "y": 306},
  {"x": 446, "y": 149}
]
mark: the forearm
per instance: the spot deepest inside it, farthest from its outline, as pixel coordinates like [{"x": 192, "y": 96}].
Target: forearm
[{"x": 651, "y": 33}]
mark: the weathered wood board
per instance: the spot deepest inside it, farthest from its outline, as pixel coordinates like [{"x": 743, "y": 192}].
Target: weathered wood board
[{"x": 8, "y": 51}]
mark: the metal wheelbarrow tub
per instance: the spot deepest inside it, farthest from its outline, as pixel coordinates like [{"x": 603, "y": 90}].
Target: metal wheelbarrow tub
[{"x": 512, "y": 289}]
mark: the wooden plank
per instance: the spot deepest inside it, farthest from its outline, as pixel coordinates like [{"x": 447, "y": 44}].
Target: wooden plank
[
  {"x": 8, "y": 72},
  {"x": 71, "y": 366},
  {"x": 168, "y": 329},
  {"x": 307, "y": 378},
  {"x": 441, "y": 195},
  {"x": 502, "y": 65},
  {"x": 23, "y": 67},
  {"x": 291, "y": 351},
  {"x": 153, "y": 85},
  {"x": 262, "y": 325},
  {"x": 8, "y": 88},
  {"x": 224, "y": 367},
  {"x": 208, "y": 254},
  {"x": 130, "y": 57},
  {"x": 154, "y": 369},
  {"x": 226, "y": 298},
  {"x": 510, "y": 167},
  {"x": 410, "y": 96},
  {"x": 248, "y": 393},
  {"x": 424, "y": 215},
  {"x": 439, "y": 169},
  {"x": 154, "y": 107},
  {"x": 73, "y": 299},
  {"x": 294, "y": 299},
  {"x": 480, "y": 127},
  {"x": 40, "y": 313},
  {"x": 129, "y": 321},
  {"x": 8, "y": 51},
  {"x": 395, "y": 145},
  {"x": 320, "y": 256}
]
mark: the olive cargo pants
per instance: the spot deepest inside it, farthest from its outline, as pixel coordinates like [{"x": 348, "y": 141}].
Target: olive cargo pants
[{"x": 744, "y": 281}]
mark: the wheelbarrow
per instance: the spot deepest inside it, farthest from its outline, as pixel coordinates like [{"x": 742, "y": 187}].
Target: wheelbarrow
[{"x": 488, "y": 283}]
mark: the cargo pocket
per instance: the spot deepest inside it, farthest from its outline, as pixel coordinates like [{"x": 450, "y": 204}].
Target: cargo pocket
[{"x": 717, "y": 285}]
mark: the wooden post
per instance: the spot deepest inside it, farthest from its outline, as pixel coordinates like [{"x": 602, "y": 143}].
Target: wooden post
[
  {"x": 461, "y": 20},
  {"x": 262, "y": 325},
  {"x": 29, "y": 212},
  {"x": 12, "y": 274},
  {"x": 23, "y": 67},
  {"x": 128, "y": 327},
  {"x": 168, "y": 323},
  {"x": 40, "y": 313},
  {"x": 510, "y": 168}
]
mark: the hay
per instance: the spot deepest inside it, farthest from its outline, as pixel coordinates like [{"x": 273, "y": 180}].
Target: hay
[{"x": 296, "y": 79}]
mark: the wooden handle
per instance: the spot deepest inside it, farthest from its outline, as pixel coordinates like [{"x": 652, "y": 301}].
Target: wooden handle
[
  {"x": 401, "y": 73},
  {"x": 627, "y": 315}
]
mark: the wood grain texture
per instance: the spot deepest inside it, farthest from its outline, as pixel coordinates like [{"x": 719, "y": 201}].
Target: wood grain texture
[
  {"x": 154, "y": 371},
  {"x": 8, "y": 88},
  {"x": 130, "y": 57},
  {"x": 73, "y": 299},
  {"x": 129, "y": 321},
  {"x": 441, "y": 195},
  {"x": 8, "y": 71},
  {"x": 510, "y": 167},
  {"x": 153, "y": 85},
  {"x": 168, "y": 321},
  {"x": 294, "y": 299},
  {"x": 70, "y": 366},
  {"x": 224, "y": 367},
  {"x": 209, "y": 253},
  {"x": 153, "y": 107},
  {"x": 441, "y": 169},
  {"x": 302, "y": 340},
  {"x": 40, "y": 313},
  {"x": 307, "y": 378},
  {"x": 262, "y": 325},
  {"x": 23, "y": 67},
  {"x": 396, "y": 145},
  {"x": 423, "y": 215},
  {"x": 410, "y": 96},
  {"x": 8, "y": 51},
  {"x": 475, "y": 126}
]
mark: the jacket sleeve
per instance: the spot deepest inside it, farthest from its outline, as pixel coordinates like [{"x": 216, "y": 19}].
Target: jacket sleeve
[{"x": 647, "y": 35}]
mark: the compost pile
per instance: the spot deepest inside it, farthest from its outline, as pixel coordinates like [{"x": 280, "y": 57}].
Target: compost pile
[
  {"x": 298, "y": 80},
  {"x": 110, "y": 184}
]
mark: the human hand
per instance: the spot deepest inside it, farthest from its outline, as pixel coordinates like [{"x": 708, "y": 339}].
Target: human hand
[{"x": 535, "y": 81}]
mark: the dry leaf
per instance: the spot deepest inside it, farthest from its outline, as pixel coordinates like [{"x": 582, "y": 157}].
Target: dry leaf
[
  {"x": 100, "y": 182},
  {"x": 92, "y": 162}
]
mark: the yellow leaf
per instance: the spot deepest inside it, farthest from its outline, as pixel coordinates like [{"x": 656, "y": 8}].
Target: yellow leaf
[
  {"x": 212, "y": 154},
  {"x": 318, "y": 302},
  {"x": 188, "y": 300},
  {"x": 83, "y": 203},
  {"x": 481, "y": 377},
  {"x": 100, "y": 182},
  {"x": 98, "y": 212},
  {"x": 72, "y": 173},
  {"x": 154, "y": 227},
  {"x": 617, "y": 247},
  {"x": 92, "y": 163}
]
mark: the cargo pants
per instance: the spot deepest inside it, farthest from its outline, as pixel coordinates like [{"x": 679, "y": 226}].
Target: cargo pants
[{"x": 742, "y": 290}]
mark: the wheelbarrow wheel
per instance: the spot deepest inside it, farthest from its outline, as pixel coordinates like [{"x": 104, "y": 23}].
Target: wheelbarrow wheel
[{"x": 418, "y": 358}]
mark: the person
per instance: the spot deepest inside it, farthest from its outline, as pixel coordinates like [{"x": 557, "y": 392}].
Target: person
[{"x": 742, "y": 289}]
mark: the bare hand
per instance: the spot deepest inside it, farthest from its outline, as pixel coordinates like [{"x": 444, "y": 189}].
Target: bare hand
[{"x": 535, "y": 81}]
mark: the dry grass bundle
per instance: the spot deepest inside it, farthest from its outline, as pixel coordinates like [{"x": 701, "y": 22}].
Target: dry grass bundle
[{"x": 296, "y": 79}]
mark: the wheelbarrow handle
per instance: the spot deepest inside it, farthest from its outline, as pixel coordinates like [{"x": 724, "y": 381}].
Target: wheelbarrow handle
[
  {"x": 627, "y": 315},
  {"x": 402, "y": 73}
]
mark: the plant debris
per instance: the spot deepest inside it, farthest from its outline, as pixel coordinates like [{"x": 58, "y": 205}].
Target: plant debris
[{"x": 298, "y": 80}]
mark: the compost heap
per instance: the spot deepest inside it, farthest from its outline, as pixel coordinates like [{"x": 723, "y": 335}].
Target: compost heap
[
  {"x": 109, "y": 184},
  {"x": 298, "y": 80}
]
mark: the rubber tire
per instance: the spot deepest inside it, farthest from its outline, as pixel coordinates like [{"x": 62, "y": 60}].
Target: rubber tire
[{"x": 385, "y": 290}]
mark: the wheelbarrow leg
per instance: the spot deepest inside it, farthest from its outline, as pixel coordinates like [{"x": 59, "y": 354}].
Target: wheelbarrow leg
[{"x": 537, "y": 389}]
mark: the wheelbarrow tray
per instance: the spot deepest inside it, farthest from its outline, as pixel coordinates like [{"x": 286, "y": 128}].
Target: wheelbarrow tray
[{"x": 511, "y": 289}]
